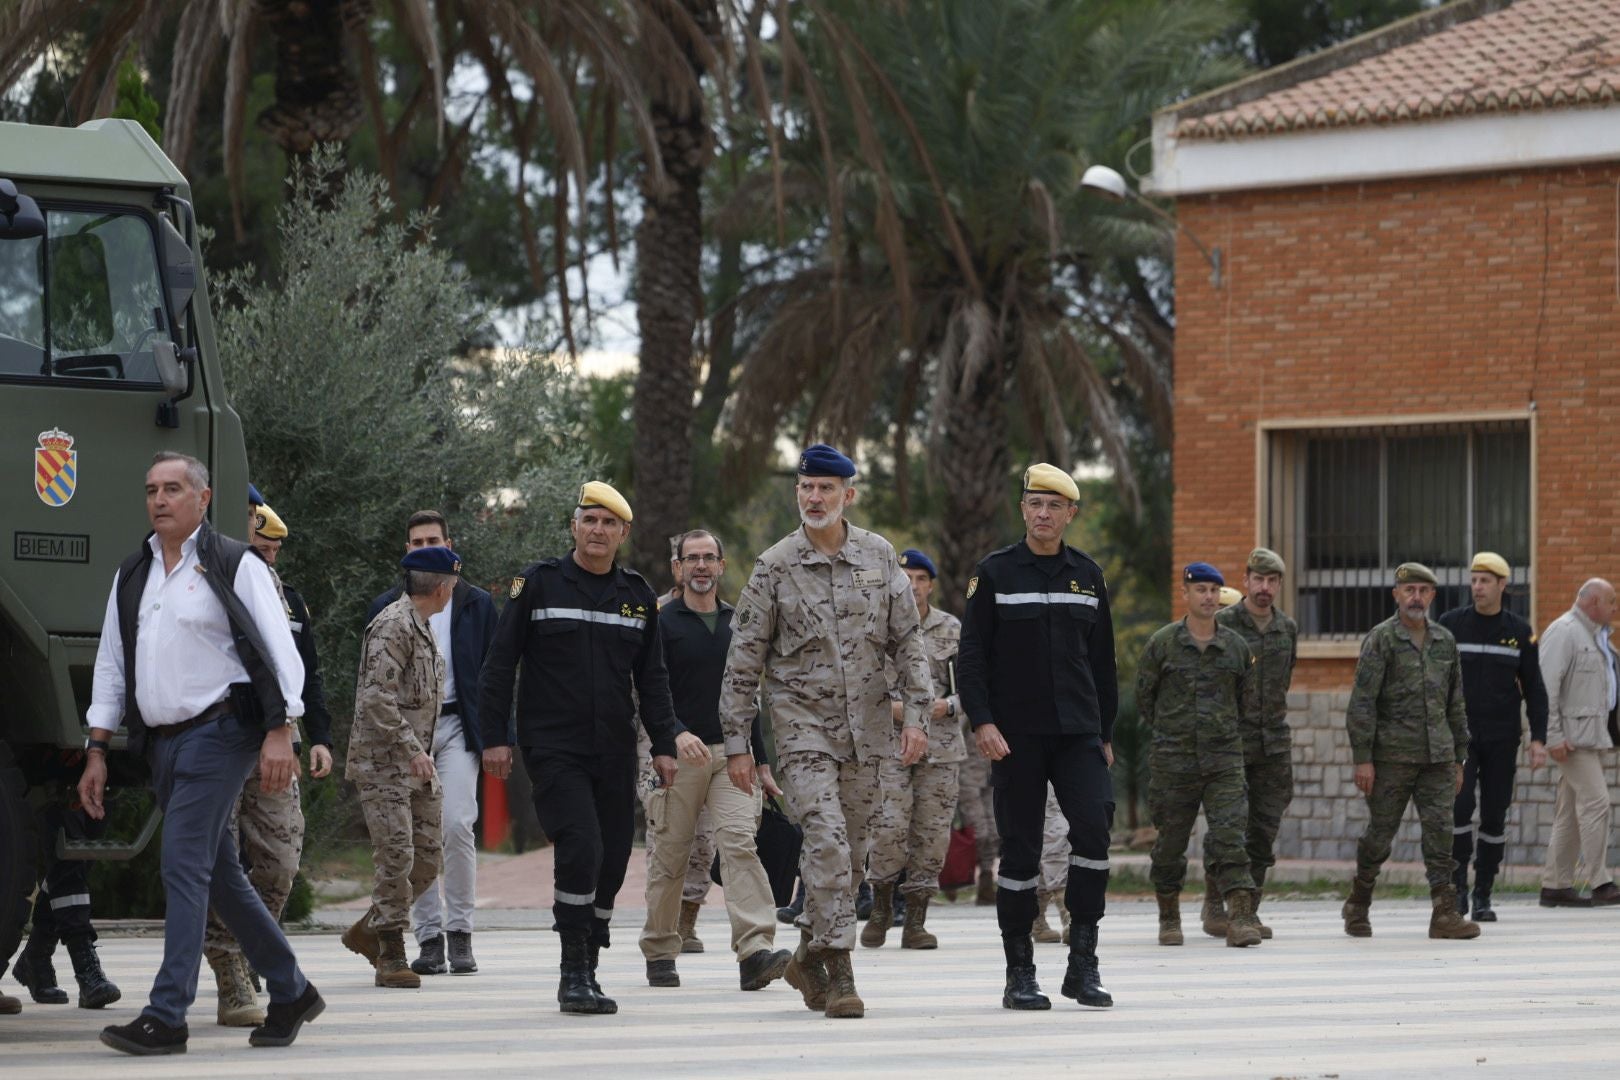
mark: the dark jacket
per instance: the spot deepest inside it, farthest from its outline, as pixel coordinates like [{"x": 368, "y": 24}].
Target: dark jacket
[
  {"x": 317, "y": 721},
  {"x": 585, "y": 642},
  {"x": 1037, "y": 652},
  {"x": 696, "y": 660},
  {"x": 472, "y": 629},
  {"x": 1501, "y": 673}
]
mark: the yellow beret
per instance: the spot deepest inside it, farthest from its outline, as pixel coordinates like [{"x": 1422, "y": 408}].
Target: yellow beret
[
  {"x": 1044, "y": 477},
  {"x": 1414, "y": 573},
  {"x": 1229, "y": 596},
  {"x": 268, "y": 524},
  {"x": 1491, "y": 563},
  {"x": 596, "y": 493}
]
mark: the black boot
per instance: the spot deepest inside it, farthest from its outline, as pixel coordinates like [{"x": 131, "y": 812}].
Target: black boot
[
  {"x": 1082, "y": 981},
  {"x": 1482, "y": 902},
  {"x": 430, "y": 960},
  {"x": 1022, "y": 991},
  {"x": 95, "y": 989},
  {"x": 793, "y": 910},
  {"x": 33, "y": 968},
  {"x": 574, "y": 991},
  {"x": 863, "y": 901}
]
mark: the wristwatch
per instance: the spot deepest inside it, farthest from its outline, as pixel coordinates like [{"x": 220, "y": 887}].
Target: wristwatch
[
  {"x": 93, "y": 743},
  {"x": 950, "y": 707}
]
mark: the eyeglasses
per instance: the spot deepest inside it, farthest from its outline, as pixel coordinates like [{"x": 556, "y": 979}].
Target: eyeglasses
[{"x": 700, "y": 560}]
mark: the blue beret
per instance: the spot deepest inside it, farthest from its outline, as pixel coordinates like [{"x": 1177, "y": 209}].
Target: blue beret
[
  {"x": 823, "y": 460},
  {"x": 254, "y": 498},
  {"x": 434, "y": 560},
  {"x": 1202, "y": 571},
  {"x": 912, "y": 559}
]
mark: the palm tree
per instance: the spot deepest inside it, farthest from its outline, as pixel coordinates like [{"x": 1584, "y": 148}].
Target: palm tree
[{"x": 960, "y": 251}]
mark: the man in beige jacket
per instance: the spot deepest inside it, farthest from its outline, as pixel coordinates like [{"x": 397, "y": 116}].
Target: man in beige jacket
[{"x": 1578, "y": 665}]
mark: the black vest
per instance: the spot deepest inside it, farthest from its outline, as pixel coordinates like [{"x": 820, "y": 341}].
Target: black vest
[{"x": 218, "y": 557}]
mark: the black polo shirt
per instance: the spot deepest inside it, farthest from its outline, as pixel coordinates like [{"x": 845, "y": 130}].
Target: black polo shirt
[{"x": 696, "y": 658}]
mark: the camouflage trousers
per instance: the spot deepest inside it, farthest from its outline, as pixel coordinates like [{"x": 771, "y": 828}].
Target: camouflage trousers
[
  {"x": 974, "y": 799},
  {"x": 1271, "y": 789},
  {"x": 834, "y": 802},
  {"x": 406, "y": 825},
  {"x": 1054, "y": 846},
  {"x": 1395, "y": 783},
  {"x": 270, "y": 836},
  {"x": 1173, "y": 801},
  {"x": 912, "y": 830},
  {"x": 695, "y": 889}
]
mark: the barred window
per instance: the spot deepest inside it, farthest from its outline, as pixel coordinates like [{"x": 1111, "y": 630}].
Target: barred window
[{"x": 1345, "y": 506}]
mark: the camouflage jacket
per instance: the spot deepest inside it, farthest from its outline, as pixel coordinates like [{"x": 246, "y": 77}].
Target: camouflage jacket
[
  {"x": 397, "y": 696},
  {"x": 1194, "y": 700},
  {"x": 942, "y": 634},
  {"x": 1407, "y": 704},
  {"x": 810, "y": 636},
  {"x": 1265, "y": 731}
]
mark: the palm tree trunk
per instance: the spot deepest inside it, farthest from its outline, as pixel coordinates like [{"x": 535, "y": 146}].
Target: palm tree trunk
[
  {"x": 318, "y": 98},
  {"x": 669, "y": 297}
]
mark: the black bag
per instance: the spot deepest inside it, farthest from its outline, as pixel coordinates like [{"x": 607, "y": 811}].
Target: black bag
[{"x": 778, "y": 841}]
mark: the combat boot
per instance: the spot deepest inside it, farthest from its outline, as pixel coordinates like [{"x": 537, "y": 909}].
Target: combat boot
[
  {"x": 574, "y": 991},
  {"x": 1445, "y": 923},
  {"x": 593, "y": 953},
  {"x": 1214, "y": 914},
  {"x": 863, "y": 901},
  {"x": 1169, "y": 918},
  {"x": 842, "y": 1001},
  {"x": 914, "y": 936},
  {"x": 1022, "y": 991},
  {"x": 461, "y": 954},
  {"x": 690, "y": 942},
  {"x": 1041, "y": 930},
  {"x": 1355, "y": 910},
  {"x": 795, "y": 907},
  {"x": 1062, "y": 907},
  {"x": 10, "y": 1006},
  {"x": 1083, "y": 982},
  {"x": 876, "y": 930},
  {"x": 95, "y": 989},
  {"x": 362, "y": 940},
  {"x": 1482, "y": 904},
  {"x": 1459, "y": 880},
  {"x": 431, "y": 961},
  {"x": 34, "y": 970},
  {"x": 392, "y": 970},
  {"x": 806, "y": 974},
  {"x": 1241, "y": 928},
  {"x": 1255, "y": 896},
  {"x": 987, "y": 888},
  {"x": 237, "y": 1004}
]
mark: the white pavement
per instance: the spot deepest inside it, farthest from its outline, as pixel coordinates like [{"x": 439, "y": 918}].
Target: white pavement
[{"x": 1536, "y": 995}]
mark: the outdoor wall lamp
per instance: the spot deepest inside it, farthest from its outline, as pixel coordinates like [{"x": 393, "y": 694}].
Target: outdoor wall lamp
[{"x": 1109, "y": 184}]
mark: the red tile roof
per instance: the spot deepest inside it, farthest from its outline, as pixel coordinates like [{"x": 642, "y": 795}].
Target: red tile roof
[{"x": 1534, "y": 54}]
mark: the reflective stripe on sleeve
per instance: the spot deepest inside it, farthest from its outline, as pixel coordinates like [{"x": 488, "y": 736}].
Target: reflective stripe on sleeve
[
  {"x": 607, "y": 618},
  {"x": 1046, "y": 598},
  {"x": 1491, "y": 650}
]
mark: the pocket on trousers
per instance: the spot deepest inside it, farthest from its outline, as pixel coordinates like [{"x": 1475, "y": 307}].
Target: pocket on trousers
[{"x": 657, "y": 808}]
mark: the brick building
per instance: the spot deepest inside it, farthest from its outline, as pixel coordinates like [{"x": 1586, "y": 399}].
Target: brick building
[{"x": 1411, "y": 347}]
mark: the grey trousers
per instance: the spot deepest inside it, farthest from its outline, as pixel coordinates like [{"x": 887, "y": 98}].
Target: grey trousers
[{"x": 197, "y": 777}]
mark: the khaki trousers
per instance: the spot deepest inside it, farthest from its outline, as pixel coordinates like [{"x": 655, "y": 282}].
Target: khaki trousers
[
  {"x": 1580, "y": 823},
  {"x": 672, "y": 814}
]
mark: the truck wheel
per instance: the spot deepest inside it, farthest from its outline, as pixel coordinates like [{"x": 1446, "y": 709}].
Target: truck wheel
[{"x": 17, "y": 855}]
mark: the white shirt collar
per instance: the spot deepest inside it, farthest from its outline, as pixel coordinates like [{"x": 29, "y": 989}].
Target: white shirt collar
[{"x": 186, "y": 548}]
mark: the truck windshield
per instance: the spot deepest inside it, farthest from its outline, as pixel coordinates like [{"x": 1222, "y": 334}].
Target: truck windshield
[{"x": 82, "y": 302}]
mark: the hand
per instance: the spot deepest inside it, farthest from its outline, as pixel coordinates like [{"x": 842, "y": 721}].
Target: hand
[
  {"x": 278, "y": 765},
  {"x": 913, "y": 745},
  {"x": 422, "y": 767},
  {"x": 1560, "y": 753},
  {"x": 987, "y": 738},
  {"x": 1458, "y": 788},
  {"x": 666, "y": 767},
  {"x": 1108, "y": 754},
  {"x": 320, "y": 760},
  {"x": 740, "y": 768},
  {"x": 691, "y": 748},
  {"x": 1364, "y": 778},
  {"x": 940, "y": 710},
  {"x": 1538, "y": 754},
  {"x": 498, "y": 761},
  {"x": 766, "y": 780},
  {"x": 93, "y": 783}
]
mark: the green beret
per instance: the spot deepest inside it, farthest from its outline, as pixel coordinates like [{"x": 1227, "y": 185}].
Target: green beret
[
  {"x": 1265, "y": 561},
  {"x": 1414, "y": 572}
]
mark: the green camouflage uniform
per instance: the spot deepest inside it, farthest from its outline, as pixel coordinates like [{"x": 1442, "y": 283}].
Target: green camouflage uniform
[
  {"x": 810, "y": 636},
  {"x": 1268, "y": 765},
  {"x": 1406, "y": 717},
  {"x": 396, "y": 706},
  {"x": 1193, "y": 700}
]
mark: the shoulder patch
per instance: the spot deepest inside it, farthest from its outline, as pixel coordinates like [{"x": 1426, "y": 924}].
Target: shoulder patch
[
  {"x": 973, "y": 587},
  {"x": 517, "y": 587}
]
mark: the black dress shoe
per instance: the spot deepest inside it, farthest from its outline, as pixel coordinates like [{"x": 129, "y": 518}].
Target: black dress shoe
[
  {"x": 281, "y": 1022},
  {"x": 1563, "y": 898},
  {"x": 144, "y": 1036},
  {"x": 1606, "y": 895}
]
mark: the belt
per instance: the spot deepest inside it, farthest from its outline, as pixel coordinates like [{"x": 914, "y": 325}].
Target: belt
[
  {"x": 450, "y": 708},
  {"x": 207, "y": 716}
]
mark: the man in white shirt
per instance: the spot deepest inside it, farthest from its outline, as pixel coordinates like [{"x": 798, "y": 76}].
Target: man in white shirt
[{"x": 198, "y": 660}]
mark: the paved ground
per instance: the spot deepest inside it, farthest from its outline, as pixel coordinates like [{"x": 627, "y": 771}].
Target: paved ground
[{"x": 1535, "y": 996}]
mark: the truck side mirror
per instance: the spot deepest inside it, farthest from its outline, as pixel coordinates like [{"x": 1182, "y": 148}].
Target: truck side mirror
[
  {"x": 171, "y": 367},
  {"x": 20, "y": 218},
  {"x": 179, "y": 267}
]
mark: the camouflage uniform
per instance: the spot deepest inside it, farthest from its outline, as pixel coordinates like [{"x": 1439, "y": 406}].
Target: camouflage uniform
[
  {"x": 973, "y": 800},
  {"x": 1193, "y": 700},
  {"x": 810, "y": 637},
  {"x": 1268, "y": 763},
  {"x": 1406, "y": 717},
  {"x": 395, "y": 709},
  {"x": 1055, "y": 848},
  {"x": 913, "y": 830}
]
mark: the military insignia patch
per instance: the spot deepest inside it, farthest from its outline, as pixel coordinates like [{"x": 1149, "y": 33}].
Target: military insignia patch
[
  {"x": 973, "y": 587},
  {"x": 517, "y": 587},
  {"x": 745, "y": 616},
  {"x": 1074, "y": 586},
  {"x": 56, "y": 467}
]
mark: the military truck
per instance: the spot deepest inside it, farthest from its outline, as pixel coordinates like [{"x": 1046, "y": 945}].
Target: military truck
[{"x": 106, "y": 356}]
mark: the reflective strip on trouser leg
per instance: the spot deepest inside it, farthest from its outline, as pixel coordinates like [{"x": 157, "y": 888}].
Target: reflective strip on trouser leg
[
  {"x": 1025, "y": 885},
  {"x": 579, "y": 899},
  {"x": 58, "y": 903}
]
